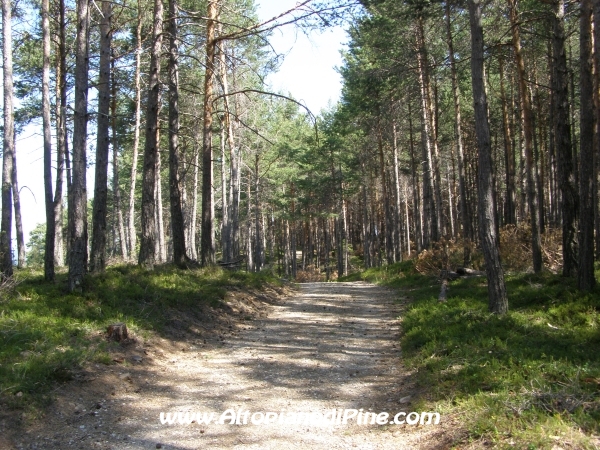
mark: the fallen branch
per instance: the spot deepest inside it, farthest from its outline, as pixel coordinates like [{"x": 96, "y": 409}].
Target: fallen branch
[
  {"x": 466, "y": 272},
  {"x": 447, "y": 276}
]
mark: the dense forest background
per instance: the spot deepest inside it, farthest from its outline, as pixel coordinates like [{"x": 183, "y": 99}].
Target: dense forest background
[{"x": 465, "y": 130}]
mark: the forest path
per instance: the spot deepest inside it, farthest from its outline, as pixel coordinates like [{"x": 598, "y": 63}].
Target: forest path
[{"x": 327, "y": 346}]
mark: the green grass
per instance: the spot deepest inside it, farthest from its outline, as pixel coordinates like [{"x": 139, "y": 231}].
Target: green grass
[
  {"x": 530, "y": 378},
  {"x": 46, "y": 332}
]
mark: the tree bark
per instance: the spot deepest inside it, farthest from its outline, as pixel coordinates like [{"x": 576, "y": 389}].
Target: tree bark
[
  {"x": 527, "y": 118},
  {"x": 62, "y": 142},
  {"x": 387, "y": 222},
  {"x": 6, "y": 265},
  {"x": 464, "y": 211},
  {"x": 78, "y": 253},
  {"x": 18, "y": 218},
  {"x": 498, "y": 302},
  {"x": 225, "y": 225},
  {"x": 259, "y": 251},
  {"x": 509, "y": 155},
  {"x": 177, "y": 226},
  {"x": 116, "y": 186},
  {"x": 417, "y": 210},
  {"x": 47, "y": 133},
  {"x": 596, "y": 176},
  {"x": 585, "y": 276},
  {"x": 98, "y": 254},
  {"x": 161, "y": 244},
  {"x": 136, "y": 132},
  {"x": 562, "y": 139},
  {"x": 234, "y": 178},
  {"x": 194, "y": 212},
  {"x": 398, "y": 250},
  {"x": 438, "y": 220},
  {"x": 431, "y": 229},
  {"x": 147, "y": 256},
  {"x": 207, "y": 243}
]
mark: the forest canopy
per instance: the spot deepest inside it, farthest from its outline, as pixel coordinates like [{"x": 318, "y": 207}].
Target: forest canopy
[{"x": 461, "y": 126}]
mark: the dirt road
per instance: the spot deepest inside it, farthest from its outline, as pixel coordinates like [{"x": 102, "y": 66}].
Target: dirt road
[{"x": 328, "y": 346}]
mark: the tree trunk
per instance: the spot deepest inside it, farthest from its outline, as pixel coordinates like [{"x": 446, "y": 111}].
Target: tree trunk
[
  {"x": 62, "y": 142},
  {"x": 225, "y": 225},
  {"x": 98, "y": 254},
  {"x": 78, "y": 253},
  {"x": 466, "y": 220},
  {"x": 562, "y": 139},
  {"x": 47, "y": 132},
  {"x": 585, "y": 279},
  {"x": 207, "y": 243},
  {"x": 498, "y": 302},
  {"x": 249, "y": 249},
  {"x": 417, "y": 210},
  {"x": 293, "y": 234},
  {"x": 161, "y": 245},
  {"x": 258, "y": 235},
  {"x": 438, "y": 220},
  {"x": 194, "y": 213},
  {"x": 21, "y": 260},
  {"x": 387, "y": 222},
  {"x": 136, "y": 133},
  {"x": 431, "y": 230},
  {"x": 6, "y": 266},
  {"x": 509, "y": 155},
  {"x": 177, "y": 227},
  {"x": 596, "y": 175},
  {"x": 366, "y": 234},
  {"x": 398, "y": 201},
  {"x": 116, "y": 188},
  {"x": 147, "y": 254},
  {"x": 407, "y": 218},
  {"x": 526, "y": 117}
]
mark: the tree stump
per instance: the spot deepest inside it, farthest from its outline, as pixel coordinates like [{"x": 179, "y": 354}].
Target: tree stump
[{"x": 117, "y": 331}]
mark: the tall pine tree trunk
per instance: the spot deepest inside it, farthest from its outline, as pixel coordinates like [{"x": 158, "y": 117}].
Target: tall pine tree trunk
[
  {"x": 6, "y": 266},
  {"x": 78, "y": 253},
  {"x": 398, "y": 214},
  {"x": 585, "y": 276},
  {"x": 47, "y": 133},
  {"x": 116, "y": 187},
  {"x": 259, "y": 250},
  {"x": 527, "y": 122},
  {"x": 207, "y": 243},
  {"x": 510, "y": 216},
  {"x": 17, "y": 206},
  {"x": 177, "y": 226},
  {"x": 464, "y": 211},
  {"x": 430, "y": 221},
  {"x": 161, "y": 244},
  {"x": 136, "y": 133},
  {"x": 98, "y": 254},
  {"x": 147, "y": 254},
  {"x": 562, "y": 139},
  {"x": 194, "y": 211},
  {"x": 417, "y": 210},
  {"x": 62, "y": 142},
  {"x": 596, "y": 176},
  {"x": 498, "y": 302},
  {"x": 387, "y": 222}
]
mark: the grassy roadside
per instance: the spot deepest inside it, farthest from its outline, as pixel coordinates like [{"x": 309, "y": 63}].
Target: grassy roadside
[
  {"x": 46, "y": 333},
  {"x": 529, "y": 379}
]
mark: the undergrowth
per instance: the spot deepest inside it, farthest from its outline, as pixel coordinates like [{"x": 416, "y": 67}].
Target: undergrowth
[
  {"x": 528, "y": 379},
  {"x": 46, "y": 332}
]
